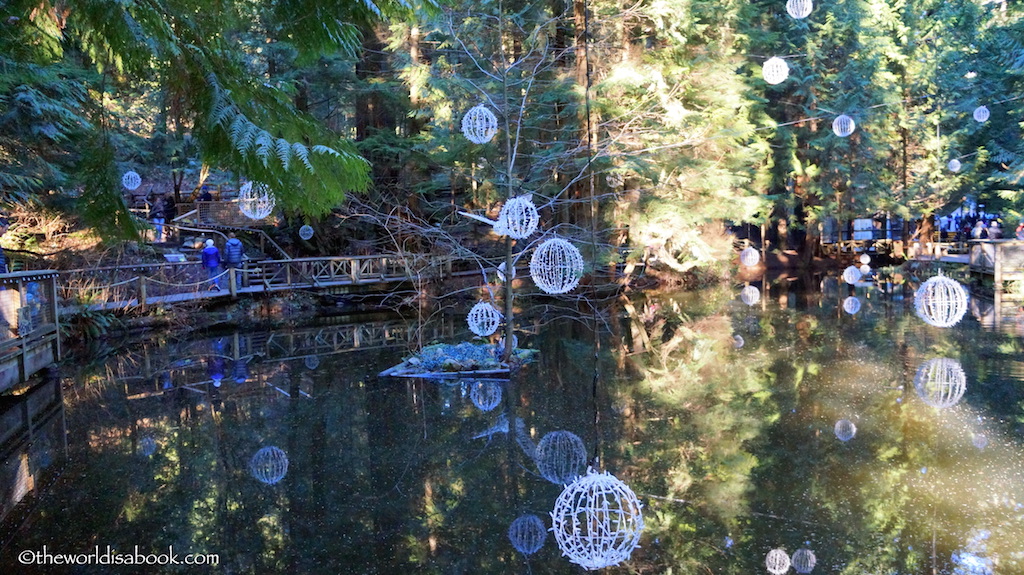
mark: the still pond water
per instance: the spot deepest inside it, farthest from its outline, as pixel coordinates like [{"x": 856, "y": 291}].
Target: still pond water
[{"x": 722, "y": 417}]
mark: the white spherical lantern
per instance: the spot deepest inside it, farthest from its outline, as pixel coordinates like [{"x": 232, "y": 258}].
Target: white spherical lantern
[
  {"x": 799, "y": 9},
  {"x": 269, "y": 465},
  {"x": 256, "y": 201},
  {"x": 940, "y": 382},
  {"x": 486, "y": 395},
  {"x": 131, "y": 180},
  {"x": 312, "y": 361},
  {"x": 981, "y": 114},
  {"x": 527, "y": 534},
  {"x": 775, "y": 70},
  {"x": 479, "y": 124},
  {"x": 843, "y": 126},
  {"x": 940, "y": 301},
  {"x": 851, "y": 305},
  {"x": 518, "y": 218},
  {"x": 845, "y": 430},
  {"x": 597, "y": 521},
  {"x": 750, "y": 295},
  {"x": 777, "y": 562},
  {"x": 750, "y": 257},
  {"x": 483, "y": 319},
  {"x": 560, "y": 457},
  {"x": 852, "y": 275},
  {"x": 738, "y": 342},
  {"x": 865, "y": 259},
  {"x": 804, "y": 560},
  {"x": 556, "y": 266},
  {"x": 306, "y": 232},
  {"x": 865, "y": 269},
  {"x": 954, "y": 165}
]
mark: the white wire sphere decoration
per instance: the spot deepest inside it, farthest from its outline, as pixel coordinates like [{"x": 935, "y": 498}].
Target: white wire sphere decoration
[
  {"x": 940, "y": 382},
  {"x": 865, "y": 269},
  {"x": 845, "y": 430},
  {"x": 269, "y": 465},
  {"x": 256, "y": 201},
  {"x": 775, "y": 70},
  {"x": 940, "y": 301},
  {"x": 311, "y": 362},
  {"x": 131, "y": 180},
  {"x": 479, "y": 124},
  {"x": 560, "y": 456},
  {"x": 518, "y": 218},
  {"x": 750, "y": 257},
  {"x": 486, "y": 395},
  {"x": 597, "y": 521},
  {"x": 556, "y": 266},
  {"x": 527, "y": 534},
  {"x": 851, "y": 305},
  {"x": 483, "y": 319},
  {"x": 865, "y": 259},
  {"x": 804, "y": 560},
  {"x": 777, "y": 561},
  {"x": 954, "y": 165},
  {"x": 799, "y": 9},
  {"x": 852, "y": 275},
  {"x": 843, "y": 126},
  {"x": 750, "y": 295},
  {"x": 981, "y": 114},
  {"x": 306, "y": 232}
]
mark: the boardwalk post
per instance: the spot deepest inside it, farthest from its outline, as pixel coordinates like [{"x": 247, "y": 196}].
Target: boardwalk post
[
  {"x": 231, "y": 282},
  {"x": 143, "y": 292}
]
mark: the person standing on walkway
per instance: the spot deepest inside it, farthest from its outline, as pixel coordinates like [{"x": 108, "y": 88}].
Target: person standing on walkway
[
  {"x": 170, "y": 209},
  {"x": 211, "y": 261},
  {"x": 156, "y": 214},
  {"x": 233, "y": 254}
]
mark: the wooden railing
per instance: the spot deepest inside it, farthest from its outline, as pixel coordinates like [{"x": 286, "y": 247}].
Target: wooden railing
[{"x": 29, "y": 332}]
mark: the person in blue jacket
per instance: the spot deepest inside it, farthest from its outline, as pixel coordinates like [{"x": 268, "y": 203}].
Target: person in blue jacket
[
  {"x": 233, "y": 254},
  {"x": 211, "y": 261}
]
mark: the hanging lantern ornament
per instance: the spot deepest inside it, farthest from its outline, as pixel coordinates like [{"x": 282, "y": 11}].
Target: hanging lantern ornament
[
  {"x": 981, "y": 114},
  {"x": 954, "y": 165},
  {"x": 851, "y": 305},
  {"x": 483, "y": 319},
  {"x": 777, "y": 562},
  {"x": 865, "y": 269},
  {"x": 845, "y": 430},
  {"x": 256, "y": 201},
  {"x": 940, "y": 382},
  {"x": 518, "y": 218},
  {"x": 131, "y": 180},
  {"x": 775, "y": 70},
  {"x": 527, "y": 534},
  {"x": 269, "y": 465},
  {"x": 750, "y": 257},
  {"x": 311, "y": 362},
  {"x": 865, "y": 259},
  {"x": 843, "y": 126},
  {"x": 556, "y": 266},
  {"x": 479, "y": 124},
  {"x": 940, "y": 301},
  {"x": 852, "y": 275},
  {"x": 750, "y": 295},
  {"x": 306, "y": 232},
  {"x": 597, "y": 521},
  {"x": 560, "y": 457},
  {"x": 486, "y": 395},
  {"x": 799, "y": 9},
  {"x": 804, "y": 560}
]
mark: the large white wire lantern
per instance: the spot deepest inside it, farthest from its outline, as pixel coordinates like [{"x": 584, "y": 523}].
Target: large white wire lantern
[
  {"x": 799, "y": 9},
  {"x": 560, "y": 457},
  {"x": 775, "y": 70},
  {"x": 851, "y": 305},
  {"x": 940, "y": 301},
  {"x": 777, "y": 561},
  {"x": 954, "y": 165},
  {"x": 852, "y": 275},
  {"x": 131, "y": 180},
  {"x": 750, "y": 257},
  {"x": 256, "y": 201},
  {"x": 843, "y": 126},
  {"x": 597, "y": 521},
  {"x": 865, "y": 259},
  {"x": 527, "y": 534},
  {"x": 981, "y": 114},
  {"x": 479, "y": 124},
  {"x": 750, "y": 295},
  {"x": 483, "y": 319},
  {"x": 804, "y": 560},
  {"x": 486, "y": 395},
  {"x": 306, "y": 232},
  {"x": 518, "y": 218},
  {"x": 311, "y": 362},
  {"x": 269, "y": 465},
  {"x": 940, "y": 382},
  {"x": 556, "y": 266},
  {"x": 845, "y": 430}
]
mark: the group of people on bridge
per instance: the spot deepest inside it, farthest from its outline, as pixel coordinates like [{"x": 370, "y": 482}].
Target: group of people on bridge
[{"x": 232, "y": 258}]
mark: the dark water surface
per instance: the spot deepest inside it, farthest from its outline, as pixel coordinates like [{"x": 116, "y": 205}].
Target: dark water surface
[{"x": 733, "y": 450}]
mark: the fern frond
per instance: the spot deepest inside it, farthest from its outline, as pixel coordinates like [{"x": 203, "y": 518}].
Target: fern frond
[
  {"x": 284, "y": 152},
  {"x": 302, "y": 152},
  {"x": 321, "y": 149},
  {"x": 264, "y": 144}
]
